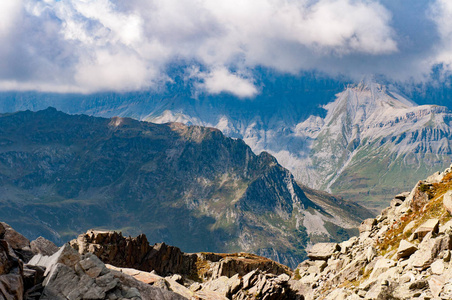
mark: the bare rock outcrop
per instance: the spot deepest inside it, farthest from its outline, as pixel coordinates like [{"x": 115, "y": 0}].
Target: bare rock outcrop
[
  {"x": 198, "y": 276},
  {"x": 112, "y": 248},
  {"x": 70, "y": 275},
  {"x": 11, "y": 273},
  {"x": 43, "y": 246},
  {"x": 404, "y": 253}
]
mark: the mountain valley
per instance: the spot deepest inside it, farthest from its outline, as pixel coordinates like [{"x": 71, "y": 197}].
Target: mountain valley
[{"x": 189, "y": 186}]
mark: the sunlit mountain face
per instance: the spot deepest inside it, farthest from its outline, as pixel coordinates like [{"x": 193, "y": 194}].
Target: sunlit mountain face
[{"x": 361, "y": 141}]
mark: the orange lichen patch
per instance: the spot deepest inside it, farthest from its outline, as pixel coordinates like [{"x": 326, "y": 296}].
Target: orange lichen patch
[
  {"x": 202, "y": 268},
  {"x": 434, "y": 209}
]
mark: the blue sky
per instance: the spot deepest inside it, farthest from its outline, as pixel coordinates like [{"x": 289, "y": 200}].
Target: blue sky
[{"x": 125, "y": 45}]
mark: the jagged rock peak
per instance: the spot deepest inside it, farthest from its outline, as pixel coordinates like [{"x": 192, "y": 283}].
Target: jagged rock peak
[
  {"x": 203, "y": 275},
  {"x": 135, "y": 252}
]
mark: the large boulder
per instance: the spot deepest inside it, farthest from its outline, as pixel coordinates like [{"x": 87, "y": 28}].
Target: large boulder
[
  {"x": 323, "y": 251},
  {"x": 367, "y": 225},
  {"x": 418, "y": 196},
  {"x": 447, "y": 201},
  {"x": 43, "y": 246},
  {"x": 431, "y": 225},
  {"x": 19, "y": 243},
  {"x": 70, "y": 275},
  {"x": 429, "y": 249},
  {"x": 405, "y": 249}
]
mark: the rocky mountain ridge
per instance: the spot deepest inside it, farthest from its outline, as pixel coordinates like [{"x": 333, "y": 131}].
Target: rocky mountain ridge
[
  {"x": 367, "y": 128},
  {"x": 334, "y": 143},
  {"x": 186, "y": 185}
]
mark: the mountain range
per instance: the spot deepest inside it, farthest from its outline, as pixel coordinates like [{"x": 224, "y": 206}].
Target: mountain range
[
  {"x": 190, "y": 186},
  {"x": 362, "y": 141}
]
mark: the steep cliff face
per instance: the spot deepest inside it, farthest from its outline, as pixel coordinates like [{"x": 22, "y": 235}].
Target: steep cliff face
[{"x": 186, "y": 185}]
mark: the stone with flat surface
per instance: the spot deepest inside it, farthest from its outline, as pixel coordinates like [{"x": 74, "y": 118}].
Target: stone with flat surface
[
  {"x": 431, "y": 225},
  {"x": 405, "y": 249},
  {"x": 323, "y": 251}
]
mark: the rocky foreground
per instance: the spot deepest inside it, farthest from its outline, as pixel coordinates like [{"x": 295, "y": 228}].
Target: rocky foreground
[
  {"x": 106, "y": 265},
  {"x": 404, "y": 253}
]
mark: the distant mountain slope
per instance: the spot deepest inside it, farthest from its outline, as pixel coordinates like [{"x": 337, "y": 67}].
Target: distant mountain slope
[
  {"x": 365, "y": 143},
  {"x": 373, "y": 140},
  {"x": 189, "y": 186}
]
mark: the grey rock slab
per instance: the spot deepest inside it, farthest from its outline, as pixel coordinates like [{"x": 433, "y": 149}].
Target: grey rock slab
[
  {"x": 405, "y": 249},
  {"x": 447, "y": 201},
  {"x": 429, "y": 251},
  {"x": 11, "y": 286},
  {"x": 43, "y": 246},
  {"x": 431, "y": 225},
  {"x": 323, "y": 251},
  {"x": 66, "y": 255},
  {"x": 437, "y": 267},
  {"x": 219, "y": 285},
  {"x": 382, "y": 265},
  {"x": 93, "y": 266},
  {"x": 367, "y": 225}
]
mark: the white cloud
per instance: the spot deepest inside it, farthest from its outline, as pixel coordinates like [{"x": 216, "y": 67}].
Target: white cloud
[
  {"x": 442, "y": 16},
  {"x": 126, "y": 44},
  {"x": 221, "y": 80},
  {"x": 9, "y": 14}
]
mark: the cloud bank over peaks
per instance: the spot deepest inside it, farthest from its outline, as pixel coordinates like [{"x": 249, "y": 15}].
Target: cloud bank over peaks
[{"x": 99, "y": 45}]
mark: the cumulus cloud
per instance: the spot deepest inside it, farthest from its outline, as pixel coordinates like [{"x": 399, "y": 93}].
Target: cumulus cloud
[
  {"x": 441, "y": 14},
  {"x": 222, "y": 80},
  {"x": 88, "y": 46},
  {"x": 9, "y": 12}
]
